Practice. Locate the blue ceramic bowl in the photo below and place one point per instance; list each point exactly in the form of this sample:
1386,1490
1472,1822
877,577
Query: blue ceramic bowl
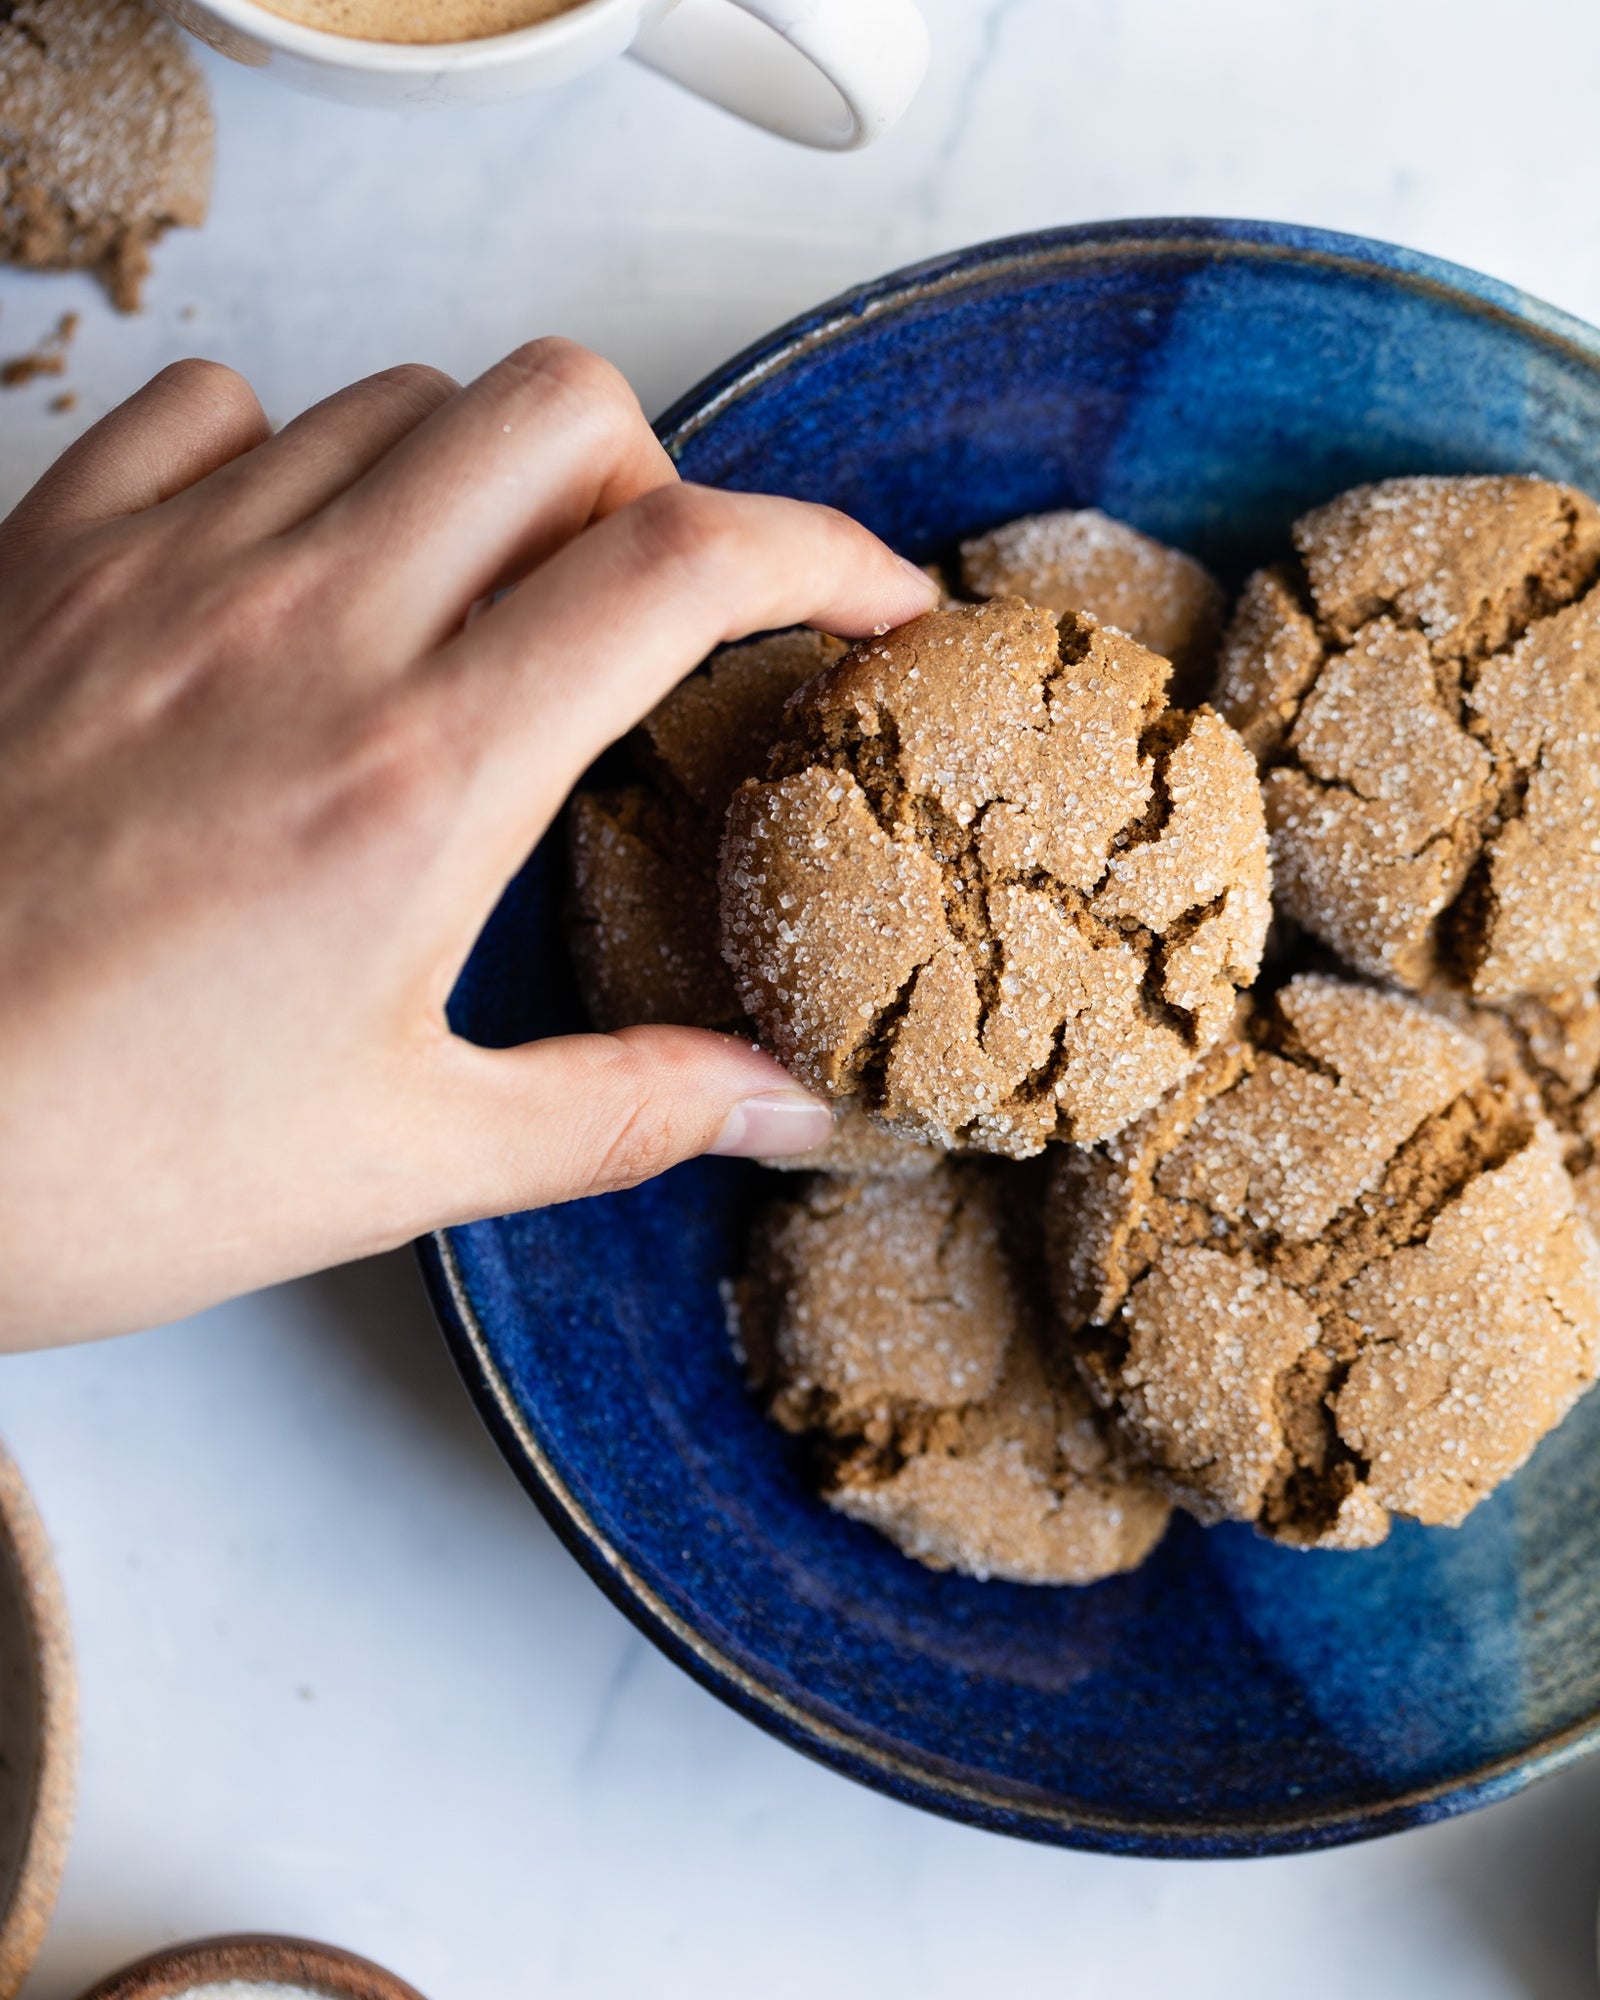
1206,381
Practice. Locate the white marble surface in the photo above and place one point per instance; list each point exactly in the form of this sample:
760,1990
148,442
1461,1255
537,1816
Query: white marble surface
338,1678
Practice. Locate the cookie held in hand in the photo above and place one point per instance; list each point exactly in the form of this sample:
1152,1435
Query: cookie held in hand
992,884
642,854
642,869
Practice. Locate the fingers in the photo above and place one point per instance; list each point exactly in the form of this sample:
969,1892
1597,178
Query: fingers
509,469
324,450
182,425
594,639
584,1114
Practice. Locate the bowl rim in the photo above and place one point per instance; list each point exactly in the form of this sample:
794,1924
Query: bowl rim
31,1896
264,1957
996,1807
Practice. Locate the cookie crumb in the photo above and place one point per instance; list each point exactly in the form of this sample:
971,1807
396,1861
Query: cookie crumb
48,358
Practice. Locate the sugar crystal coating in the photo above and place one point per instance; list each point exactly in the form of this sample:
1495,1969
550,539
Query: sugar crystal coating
886,1321
1083,560
992,883
1547,1050
1339,1273
1424,690
642,867
642,854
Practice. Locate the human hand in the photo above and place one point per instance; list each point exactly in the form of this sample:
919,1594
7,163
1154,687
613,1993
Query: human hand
260,786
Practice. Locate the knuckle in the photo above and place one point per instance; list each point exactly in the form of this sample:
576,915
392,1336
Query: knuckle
418,388
261,601
382,780
646,1141
637,1152
692,529
576,374
211,386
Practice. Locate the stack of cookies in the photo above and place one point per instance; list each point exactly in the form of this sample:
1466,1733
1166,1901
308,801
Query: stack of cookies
1154,1183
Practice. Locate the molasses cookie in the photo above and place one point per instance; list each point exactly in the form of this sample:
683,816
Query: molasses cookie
885,1321
992,884
1424,687
1082,560
642,859
105,138
1339,1273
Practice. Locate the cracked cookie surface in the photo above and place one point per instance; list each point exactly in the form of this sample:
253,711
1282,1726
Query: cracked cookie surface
992,883
642,853
1423,688
1548,1048
642,869
1079,559
1339,1273
886,1321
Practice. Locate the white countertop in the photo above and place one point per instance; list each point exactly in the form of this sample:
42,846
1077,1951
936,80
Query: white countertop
338,1678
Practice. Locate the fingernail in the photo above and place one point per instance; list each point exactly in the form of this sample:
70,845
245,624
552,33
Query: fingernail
930,589
775,1124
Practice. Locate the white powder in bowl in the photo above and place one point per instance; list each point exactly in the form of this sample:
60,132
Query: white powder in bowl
249,1989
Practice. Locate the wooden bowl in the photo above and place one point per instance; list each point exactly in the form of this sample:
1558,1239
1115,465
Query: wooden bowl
38,1731
318,1969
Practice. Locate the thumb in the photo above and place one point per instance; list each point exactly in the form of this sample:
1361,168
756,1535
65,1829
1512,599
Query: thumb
584,1114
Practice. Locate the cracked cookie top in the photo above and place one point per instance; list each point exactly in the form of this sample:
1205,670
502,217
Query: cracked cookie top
1548,1049
642,869
886,1321
992,883
1079,559
642,852
1339,1273
1423,687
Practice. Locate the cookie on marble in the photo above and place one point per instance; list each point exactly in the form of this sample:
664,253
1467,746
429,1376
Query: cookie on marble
884,1320
993,885
1339,1274
1082,560
105,138
1423,686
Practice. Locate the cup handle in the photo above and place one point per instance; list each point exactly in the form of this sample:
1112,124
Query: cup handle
829,73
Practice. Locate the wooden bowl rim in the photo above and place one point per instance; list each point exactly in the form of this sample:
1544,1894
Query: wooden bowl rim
260,1956
30,1898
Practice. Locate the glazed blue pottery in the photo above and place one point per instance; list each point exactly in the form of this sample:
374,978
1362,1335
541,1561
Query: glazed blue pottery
1206,381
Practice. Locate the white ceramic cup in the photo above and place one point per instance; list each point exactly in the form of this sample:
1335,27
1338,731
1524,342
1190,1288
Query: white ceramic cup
832,73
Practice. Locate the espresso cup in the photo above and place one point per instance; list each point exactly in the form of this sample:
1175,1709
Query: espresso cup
830,73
